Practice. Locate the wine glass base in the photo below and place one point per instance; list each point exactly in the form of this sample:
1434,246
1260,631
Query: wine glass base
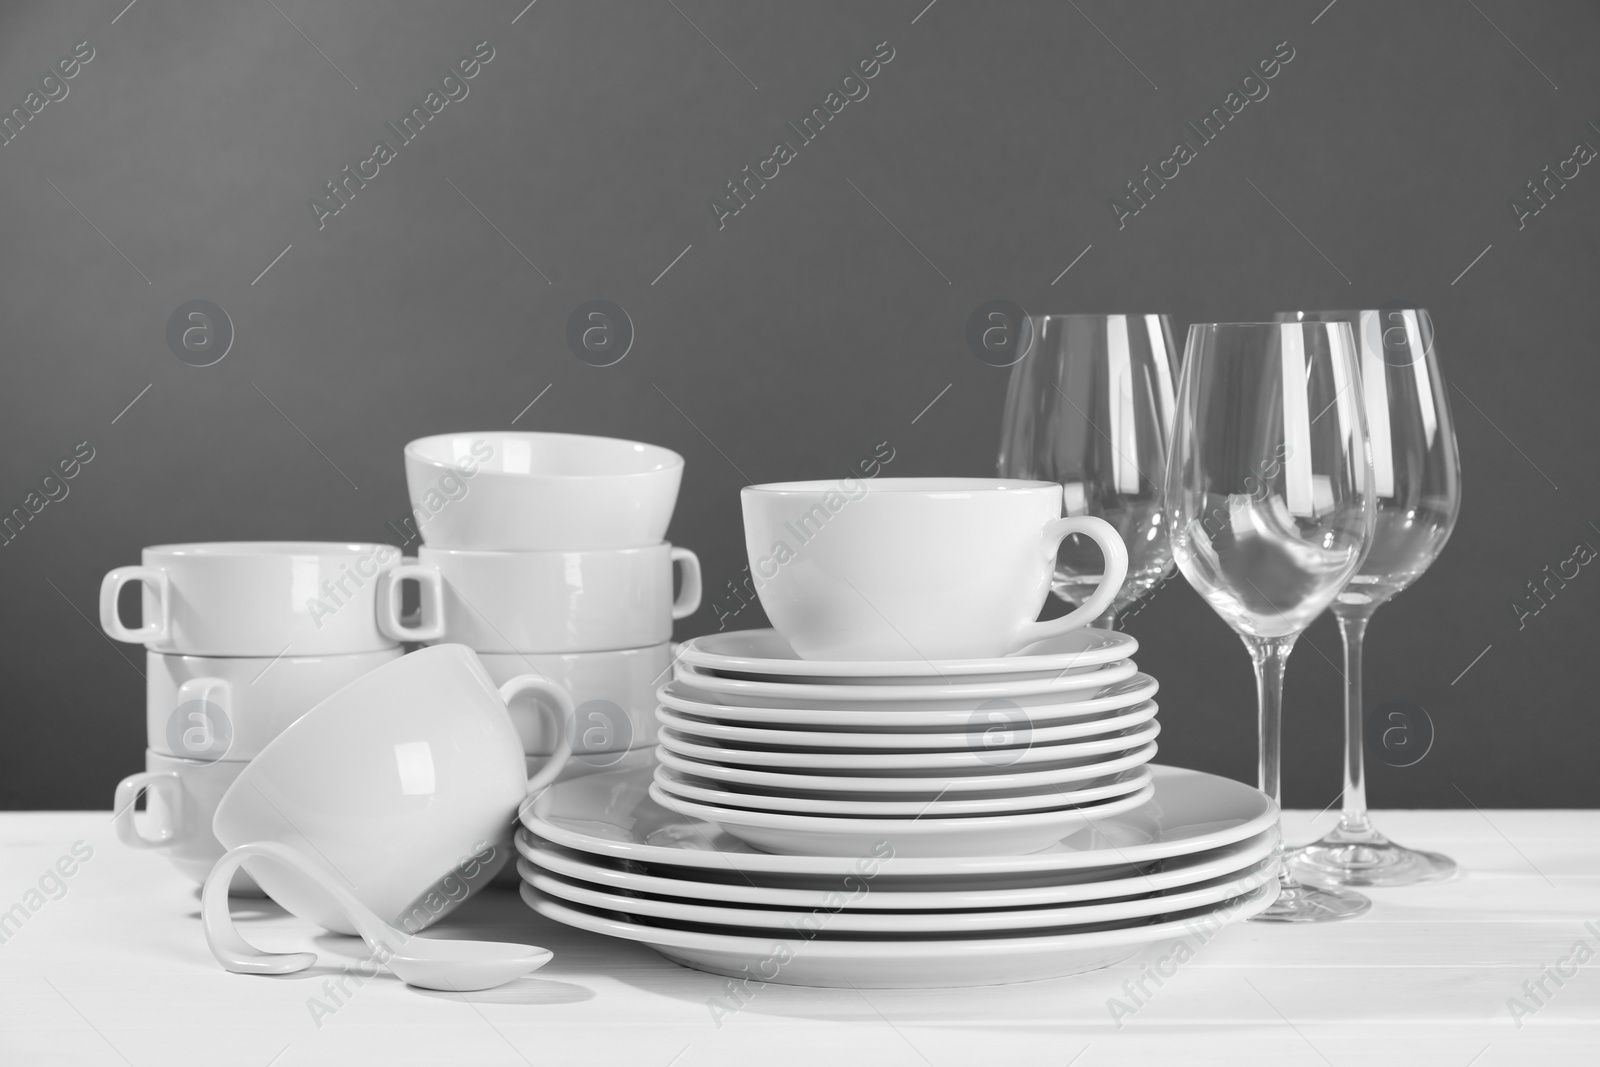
1298,903
1368,860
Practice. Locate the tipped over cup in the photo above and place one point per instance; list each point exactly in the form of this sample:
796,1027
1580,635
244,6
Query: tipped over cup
405,783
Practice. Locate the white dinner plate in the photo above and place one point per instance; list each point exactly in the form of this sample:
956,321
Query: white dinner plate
931,696
678,696
907,964
981,732
859,893
912,786
973,759
966,835
839,921
763,655
611,814
678,784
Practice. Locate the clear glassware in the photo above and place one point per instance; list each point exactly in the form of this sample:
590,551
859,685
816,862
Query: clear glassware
1270,504
1090,406
1417,485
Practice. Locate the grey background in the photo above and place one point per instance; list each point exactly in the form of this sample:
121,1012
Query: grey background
792,341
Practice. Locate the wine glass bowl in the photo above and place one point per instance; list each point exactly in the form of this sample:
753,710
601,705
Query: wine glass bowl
1269,502
1090,407
1417,491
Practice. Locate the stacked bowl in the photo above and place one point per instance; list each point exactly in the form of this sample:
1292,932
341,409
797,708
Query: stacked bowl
241,639
545,553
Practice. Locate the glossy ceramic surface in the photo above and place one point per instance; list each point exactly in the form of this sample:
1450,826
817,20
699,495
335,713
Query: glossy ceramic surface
218,707
785,958
909,836
532,492
613,697
991,731
860,893
181,798
915,568
255,598
588,601
764,655
612,815
869,718
911,784
419,751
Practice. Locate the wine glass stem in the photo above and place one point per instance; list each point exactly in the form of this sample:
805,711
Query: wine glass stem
1270,656
1353,630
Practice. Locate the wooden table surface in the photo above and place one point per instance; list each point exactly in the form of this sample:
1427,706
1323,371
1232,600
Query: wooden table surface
112,968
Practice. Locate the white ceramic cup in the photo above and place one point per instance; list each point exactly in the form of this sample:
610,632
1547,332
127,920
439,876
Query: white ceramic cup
395,782
613,698
544,601
532,492
181,796
207,708
254,598
916,568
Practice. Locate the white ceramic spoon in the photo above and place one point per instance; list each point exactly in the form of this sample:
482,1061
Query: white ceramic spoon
431,963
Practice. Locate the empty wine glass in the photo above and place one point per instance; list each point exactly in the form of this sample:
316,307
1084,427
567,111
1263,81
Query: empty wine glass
1090,406
1269,497
1417,486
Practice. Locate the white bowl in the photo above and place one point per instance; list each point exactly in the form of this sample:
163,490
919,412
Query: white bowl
504,491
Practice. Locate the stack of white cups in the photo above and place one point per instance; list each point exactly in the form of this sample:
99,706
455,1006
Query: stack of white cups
545,554
242,638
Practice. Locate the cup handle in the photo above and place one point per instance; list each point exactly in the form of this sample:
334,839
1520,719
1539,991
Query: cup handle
210,691
152,630
127,795
238,955
1101,533
431,624
688,601
562,750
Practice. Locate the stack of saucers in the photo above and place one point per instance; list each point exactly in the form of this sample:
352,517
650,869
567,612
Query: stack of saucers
946,758
600,854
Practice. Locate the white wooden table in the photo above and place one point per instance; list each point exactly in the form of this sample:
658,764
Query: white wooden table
114,970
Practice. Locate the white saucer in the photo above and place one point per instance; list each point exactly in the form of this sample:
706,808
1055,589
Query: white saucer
910,786
908,964
764,655
1134,689
932,696
862,894
839,921
974,759
969,835
675,783
611,814
979,732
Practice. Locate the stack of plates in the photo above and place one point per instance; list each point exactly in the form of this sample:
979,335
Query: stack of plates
600,854
948,758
